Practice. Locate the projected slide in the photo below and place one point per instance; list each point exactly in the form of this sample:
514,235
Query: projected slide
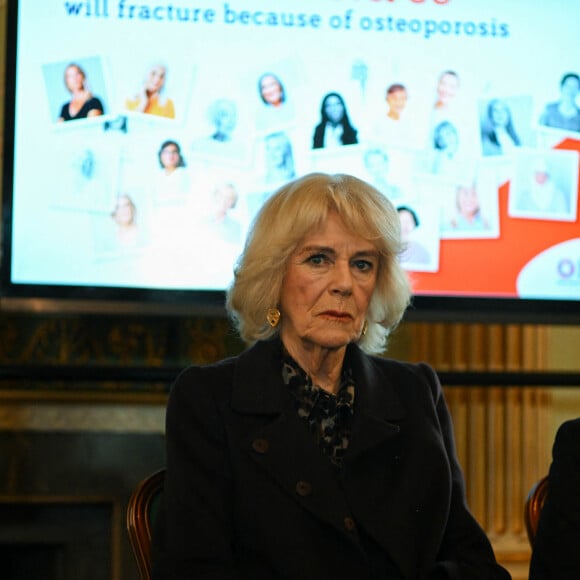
149,133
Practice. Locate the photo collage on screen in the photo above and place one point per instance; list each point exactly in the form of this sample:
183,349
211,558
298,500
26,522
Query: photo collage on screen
168,154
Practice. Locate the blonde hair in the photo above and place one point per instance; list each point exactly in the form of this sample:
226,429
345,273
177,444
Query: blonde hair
81,71
290,214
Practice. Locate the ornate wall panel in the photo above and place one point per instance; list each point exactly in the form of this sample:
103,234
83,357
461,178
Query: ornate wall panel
501,432
36,346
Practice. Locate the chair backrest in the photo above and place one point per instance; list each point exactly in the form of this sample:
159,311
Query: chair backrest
141,512
533,507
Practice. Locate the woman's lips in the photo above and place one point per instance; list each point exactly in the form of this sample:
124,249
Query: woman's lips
336,314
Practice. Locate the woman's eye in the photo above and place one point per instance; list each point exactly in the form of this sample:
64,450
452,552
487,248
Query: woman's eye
363,265
317,259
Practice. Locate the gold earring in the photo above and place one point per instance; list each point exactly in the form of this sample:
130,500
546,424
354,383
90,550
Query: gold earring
365,327
273,317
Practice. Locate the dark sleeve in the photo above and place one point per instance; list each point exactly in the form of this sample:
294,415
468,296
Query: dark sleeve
64,112
95,103
556,553
318,139
465,552
350,135
192,535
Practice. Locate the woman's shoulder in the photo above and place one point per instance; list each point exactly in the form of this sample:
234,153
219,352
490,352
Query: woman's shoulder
223,370
199,395
64,110
214,383
203,380
204,372
568,434
95,102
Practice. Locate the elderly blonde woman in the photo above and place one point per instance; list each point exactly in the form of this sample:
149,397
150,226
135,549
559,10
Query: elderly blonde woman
307,456
151,98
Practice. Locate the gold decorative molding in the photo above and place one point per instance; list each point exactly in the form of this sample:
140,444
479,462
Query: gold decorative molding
49,342
90,416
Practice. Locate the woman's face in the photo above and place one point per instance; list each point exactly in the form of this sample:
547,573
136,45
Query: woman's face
170,156
225,118
124,214
499,114
329,282
226,197
447,87
540,176
397,101
447,138
74,79
407,224
155,79
271,90
467,200
539,171
334,109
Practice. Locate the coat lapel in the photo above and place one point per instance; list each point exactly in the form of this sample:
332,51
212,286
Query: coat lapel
378,410
372,464
279,441
370,487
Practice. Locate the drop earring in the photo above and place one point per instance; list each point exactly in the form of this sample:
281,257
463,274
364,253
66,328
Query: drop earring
365,327
273,317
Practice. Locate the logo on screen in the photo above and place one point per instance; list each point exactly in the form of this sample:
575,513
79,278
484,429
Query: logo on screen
568,268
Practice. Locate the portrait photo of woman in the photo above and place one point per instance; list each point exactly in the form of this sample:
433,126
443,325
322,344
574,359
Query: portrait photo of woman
446,90
565,112
275,105
468,215
271,90
172,183
221,133
85,163
334,128
498,134
83,104
279,158
445,149
414,251
124,215
223,224
545,185
123,233
223,116
150,98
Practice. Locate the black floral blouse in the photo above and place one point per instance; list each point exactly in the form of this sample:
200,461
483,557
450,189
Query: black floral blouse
329,416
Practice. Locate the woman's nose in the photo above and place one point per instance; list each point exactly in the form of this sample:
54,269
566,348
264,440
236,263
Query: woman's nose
342,279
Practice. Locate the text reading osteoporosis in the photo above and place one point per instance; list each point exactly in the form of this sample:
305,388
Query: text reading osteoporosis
349,19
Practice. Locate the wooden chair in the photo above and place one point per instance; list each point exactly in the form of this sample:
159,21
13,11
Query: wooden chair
141,512
533,507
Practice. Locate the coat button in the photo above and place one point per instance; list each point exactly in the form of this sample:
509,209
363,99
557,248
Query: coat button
349,524
260,445
303,488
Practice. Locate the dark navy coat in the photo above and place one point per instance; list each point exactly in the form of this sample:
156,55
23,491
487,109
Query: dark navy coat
248,493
